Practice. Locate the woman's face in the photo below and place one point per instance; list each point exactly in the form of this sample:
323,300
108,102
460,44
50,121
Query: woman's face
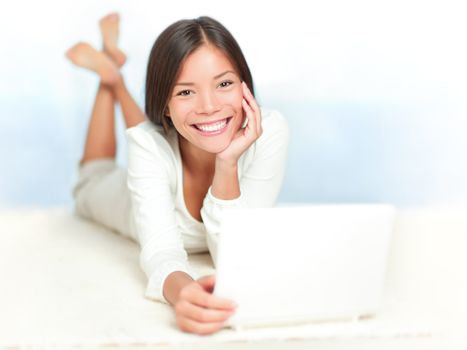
206,103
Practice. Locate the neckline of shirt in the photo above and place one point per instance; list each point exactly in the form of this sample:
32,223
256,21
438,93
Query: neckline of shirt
179,167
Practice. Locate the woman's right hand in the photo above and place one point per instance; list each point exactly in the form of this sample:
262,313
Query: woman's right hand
199,311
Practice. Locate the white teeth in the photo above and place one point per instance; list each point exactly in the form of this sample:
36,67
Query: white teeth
212,127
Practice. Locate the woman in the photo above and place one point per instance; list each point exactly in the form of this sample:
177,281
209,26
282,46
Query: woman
202,144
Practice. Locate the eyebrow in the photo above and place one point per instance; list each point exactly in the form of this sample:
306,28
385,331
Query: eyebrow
216,77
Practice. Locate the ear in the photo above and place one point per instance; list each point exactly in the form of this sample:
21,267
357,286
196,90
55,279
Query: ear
167,112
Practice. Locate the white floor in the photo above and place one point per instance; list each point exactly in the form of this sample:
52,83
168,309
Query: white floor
69,283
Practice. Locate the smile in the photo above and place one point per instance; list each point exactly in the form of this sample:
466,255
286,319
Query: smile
210,129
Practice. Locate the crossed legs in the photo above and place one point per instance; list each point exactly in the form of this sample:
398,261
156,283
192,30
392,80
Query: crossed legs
100,138
100,192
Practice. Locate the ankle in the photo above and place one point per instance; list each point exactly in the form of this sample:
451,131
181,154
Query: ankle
118,87
113,85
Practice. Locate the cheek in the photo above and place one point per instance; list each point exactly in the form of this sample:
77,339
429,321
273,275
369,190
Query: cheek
179,107
234,99
178,111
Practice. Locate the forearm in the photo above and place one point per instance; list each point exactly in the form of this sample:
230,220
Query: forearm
173,284
225,184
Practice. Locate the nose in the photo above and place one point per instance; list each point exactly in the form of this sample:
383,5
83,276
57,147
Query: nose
208,103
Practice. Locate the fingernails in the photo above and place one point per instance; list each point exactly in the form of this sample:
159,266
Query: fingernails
245,123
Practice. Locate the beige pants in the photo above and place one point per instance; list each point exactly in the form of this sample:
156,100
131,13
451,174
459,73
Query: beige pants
101,195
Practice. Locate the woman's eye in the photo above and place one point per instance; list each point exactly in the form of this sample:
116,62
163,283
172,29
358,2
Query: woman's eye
226,82
182,93
187,92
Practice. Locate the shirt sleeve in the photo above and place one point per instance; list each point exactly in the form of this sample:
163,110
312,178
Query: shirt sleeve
260,181
153,210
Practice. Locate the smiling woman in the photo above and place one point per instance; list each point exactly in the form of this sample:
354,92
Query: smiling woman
205,145
210,107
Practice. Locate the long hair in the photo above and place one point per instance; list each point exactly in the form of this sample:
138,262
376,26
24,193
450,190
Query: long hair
169,52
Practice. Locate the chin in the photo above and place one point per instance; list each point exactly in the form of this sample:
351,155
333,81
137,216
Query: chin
215,148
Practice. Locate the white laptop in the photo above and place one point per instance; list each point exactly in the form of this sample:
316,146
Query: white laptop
303,263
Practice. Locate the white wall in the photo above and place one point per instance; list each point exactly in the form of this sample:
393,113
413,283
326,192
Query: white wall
375,92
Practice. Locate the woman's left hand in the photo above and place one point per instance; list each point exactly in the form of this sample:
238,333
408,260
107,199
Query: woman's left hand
244,137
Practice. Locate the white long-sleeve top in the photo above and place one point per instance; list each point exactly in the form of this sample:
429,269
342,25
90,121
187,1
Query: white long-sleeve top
165,229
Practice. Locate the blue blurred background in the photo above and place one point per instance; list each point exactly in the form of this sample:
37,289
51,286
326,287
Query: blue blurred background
375,92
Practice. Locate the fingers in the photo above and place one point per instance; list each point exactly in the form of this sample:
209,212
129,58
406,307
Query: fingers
207,282
249,115
252,107
203,315
199,293
204,299
198,311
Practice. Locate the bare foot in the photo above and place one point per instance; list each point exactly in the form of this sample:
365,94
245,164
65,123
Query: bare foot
84,55
110,30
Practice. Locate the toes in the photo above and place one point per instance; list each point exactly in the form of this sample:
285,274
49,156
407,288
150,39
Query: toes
114,16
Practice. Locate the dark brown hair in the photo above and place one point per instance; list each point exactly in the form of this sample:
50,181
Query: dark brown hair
169,52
